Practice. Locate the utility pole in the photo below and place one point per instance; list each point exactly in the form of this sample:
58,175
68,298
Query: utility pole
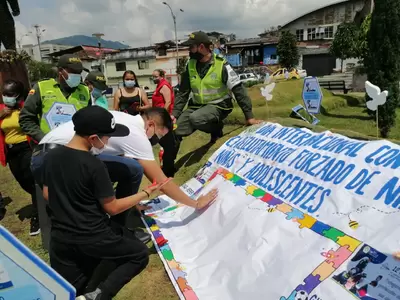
99,36
39,32
176,36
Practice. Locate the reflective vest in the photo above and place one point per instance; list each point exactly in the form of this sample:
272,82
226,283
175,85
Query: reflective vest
56,109
210,89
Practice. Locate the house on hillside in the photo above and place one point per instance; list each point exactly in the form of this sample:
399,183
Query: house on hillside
89,55
142,61
252,51
315,32
166,59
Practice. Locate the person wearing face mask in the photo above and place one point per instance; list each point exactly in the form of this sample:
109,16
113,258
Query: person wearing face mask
213,83
164,97
97,85
97,256
127,158
130,98
14,146
51,102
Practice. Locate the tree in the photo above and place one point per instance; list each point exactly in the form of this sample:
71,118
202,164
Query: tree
362,45
39,70
383,62
182,65
287,50
345,42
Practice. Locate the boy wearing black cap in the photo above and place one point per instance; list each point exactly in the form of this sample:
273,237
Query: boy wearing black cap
49,97
97,85
97,257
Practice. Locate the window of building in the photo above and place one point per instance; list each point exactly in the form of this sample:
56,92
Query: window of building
328,34
120,66
162,52
311,34
300,35
143,64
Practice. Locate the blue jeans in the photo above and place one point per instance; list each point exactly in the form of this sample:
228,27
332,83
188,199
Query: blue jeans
127,172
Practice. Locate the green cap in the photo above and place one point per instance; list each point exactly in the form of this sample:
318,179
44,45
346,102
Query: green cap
98,80
197,38
72,62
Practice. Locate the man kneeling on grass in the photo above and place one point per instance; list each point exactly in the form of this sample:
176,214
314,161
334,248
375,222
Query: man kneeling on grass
96,256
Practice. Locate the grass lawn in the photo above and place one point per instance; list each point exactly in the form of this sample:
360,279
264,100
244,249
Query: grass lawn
342,113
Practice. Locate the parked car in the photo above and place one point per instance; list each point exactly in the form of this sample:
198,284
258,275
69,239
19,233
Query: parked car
293,74
245,77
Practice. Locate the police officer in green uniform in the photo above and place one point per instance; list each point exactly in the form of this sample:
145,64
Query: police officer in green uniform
53,102
212,81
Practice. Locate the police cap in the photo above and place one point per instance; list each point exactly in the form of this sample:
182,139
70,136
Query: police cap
71,62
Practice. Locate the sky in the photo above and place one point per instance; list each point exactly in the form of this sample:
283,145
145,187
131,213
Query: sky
144,22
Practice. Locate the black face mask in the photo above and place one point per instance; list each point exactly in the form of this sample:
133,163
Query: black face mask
154,140
196,55
156,81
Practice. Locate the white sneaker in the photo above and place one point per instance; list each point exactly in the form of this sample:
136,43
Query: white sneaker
80,298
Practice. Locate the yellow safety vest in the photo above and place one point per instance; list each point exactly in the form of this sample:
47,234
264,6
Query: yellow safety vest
210,89
56,109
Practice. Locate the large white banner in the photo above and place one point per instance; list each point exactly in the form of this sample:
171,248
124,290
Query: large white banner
300,216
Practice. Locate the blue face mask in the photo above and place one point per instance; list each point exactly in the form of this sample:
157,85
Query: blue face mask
96,93
10,101
73,80
130,83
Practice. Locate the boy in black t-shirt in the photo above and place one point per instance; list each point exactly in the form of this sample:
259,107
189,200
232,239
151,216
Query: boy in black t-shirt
97,257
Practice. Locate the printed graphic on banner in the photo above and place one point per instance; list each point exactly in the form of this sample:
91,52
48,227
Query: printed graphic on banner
371,275
300,215
24,276
59,114
312,95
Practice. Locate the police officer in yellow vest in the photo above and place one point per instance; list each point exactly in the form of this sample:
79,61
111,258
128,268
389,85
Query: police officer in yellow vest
53,102
212,82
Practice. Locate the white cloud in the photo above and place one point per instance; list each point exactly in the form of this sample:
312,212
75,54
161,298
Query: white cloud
141,22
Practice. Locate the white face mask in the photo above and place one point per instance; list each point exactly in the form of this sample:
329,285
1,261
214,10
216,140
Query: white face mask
97,151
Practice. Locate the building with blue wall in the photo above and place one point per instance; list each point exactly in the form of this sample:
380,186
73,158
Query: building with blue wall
252,51
270,56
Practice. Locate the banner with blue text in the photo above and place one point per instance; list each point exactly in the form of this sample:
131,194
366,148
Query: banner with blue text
300,216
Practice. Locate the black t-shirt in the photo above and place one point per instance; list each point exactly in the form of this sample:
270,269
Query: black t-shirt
77,181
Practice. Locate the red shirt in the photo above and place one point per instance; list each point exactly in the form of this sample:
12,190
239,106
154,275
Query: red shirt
158,99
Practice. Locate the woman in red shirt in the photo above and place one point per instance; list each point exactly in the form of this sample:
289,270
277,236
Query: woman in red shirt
164,94
164,97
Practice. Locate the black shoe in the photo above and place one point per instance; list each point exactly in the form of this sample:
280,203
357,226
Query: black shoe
215,136
35,227
142,236
2,213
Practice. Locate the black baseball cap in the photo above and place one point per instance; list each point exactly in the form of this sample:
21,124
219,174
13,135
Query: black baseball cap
98,80
97,120
71,62
197,38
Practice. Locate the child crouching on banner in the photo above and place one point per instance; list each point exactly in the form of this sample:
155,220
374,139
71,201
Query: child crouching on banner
96,256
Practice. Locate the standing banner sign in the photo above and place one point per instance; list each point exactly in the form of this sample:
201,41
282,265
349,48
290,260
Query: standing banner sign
312,95
24,276
299,216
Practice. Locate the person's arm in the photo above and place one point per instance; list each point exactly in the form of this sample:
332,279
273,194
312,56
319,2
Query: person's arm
145,100
4,112
182,96
232,81
117,95
30,114
153,172
166,93
46,193
14,7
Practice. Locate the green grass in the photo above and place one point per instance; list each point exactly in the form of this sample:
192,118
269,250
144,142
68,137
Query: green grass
342,114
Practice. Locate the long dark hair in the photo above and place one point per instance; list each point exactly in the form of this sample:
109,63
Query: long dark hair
14,87
131,73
